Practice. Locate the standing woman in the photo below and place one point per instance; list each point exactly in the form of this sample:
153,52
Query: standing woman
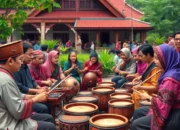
92,65
164,113
53,70
73,66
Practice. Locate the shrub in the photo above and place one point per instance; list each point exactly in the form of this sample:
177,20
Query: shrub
49,43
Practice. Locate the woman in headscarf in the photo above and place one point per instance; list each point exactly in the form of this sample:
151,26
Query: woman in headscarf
53,70
73,66
164,113
92,65
128,66
141,66
146,54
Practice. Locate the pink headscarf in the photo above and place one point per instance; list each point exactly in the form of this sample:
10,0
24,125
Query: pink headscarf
48,64
37,53
134,51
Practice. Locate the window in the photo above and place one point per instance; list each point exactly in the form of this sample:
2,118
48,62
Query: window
69,4
85,4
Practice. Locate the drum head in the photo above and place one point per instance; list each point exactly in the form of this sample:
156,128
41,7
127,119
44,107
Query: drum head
103,89
84,98
120,102
73,119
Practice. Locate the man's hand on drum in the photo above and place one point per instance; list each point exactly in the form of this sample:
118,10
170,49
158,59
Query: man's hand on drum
144,96
42,97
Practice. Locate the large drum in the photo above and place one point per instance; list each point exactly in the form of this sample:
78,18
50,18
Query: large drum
73,84
68,122
108,122
121,96
106,84
123,107
121,90
90,79
143,103
81,109
129,86
103,94
85,93
89,99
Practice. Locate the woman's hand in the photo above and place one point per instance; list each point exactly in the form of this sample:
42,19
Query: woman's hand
136,80
145,96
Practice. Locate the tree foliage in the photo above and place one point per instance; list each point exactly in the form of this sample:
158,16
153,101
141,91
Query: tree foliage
14,12
162,14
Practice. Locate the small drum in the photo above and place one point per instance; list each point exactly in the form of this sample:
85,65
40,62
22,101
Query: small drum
123,107
143,103
90,79
103,94
68,122
108,122
89,99
81,109
121,90
85,93
120,96
106,84
129,86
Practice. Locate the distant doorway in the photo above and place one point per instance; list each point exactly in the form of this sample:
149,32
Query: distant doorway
64,37
104,36
84,38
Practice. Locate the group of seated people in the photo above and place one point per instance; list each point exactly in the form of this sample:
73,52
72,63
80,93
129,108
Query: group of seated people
25,80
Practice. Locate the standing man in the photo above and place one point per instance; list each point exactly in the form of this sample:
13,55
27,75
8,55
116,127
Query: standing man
79,44
26,83
15,107
177,41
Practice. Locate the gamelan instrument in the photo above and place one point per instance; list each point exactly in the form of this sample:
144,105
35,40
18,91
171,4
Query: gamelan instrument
103,94
80,109
89,99
90,79
120,96
143,103
68,122
106,84
121,90
129,86
124,107
85,93
108,122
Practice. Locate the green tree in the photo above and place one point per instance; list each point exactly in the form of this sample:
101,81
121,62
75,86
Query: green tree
14,12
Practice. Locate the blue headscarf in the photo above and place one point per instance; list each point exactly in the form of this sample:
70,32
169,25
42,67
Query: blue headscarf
170,60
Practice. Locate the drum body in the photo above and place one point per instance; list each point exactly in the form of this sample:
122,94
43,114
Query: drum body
85,93
120,96
89,99
73,84
68,122
106,84
90,79
123,107
103,94
108,122
143,103
81,109
129,86
121,90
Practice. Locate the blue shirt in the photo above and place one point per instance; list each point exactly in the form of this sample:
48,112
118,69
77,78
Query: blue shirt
24,79
37,47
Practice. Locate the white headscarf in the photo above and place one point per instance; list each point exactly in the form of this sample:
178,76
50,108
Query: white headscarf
127,53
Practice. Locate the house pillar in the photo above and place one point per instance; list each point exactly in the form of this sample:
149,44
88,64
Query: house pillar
9,39
142,36
116,36
97,38
43,31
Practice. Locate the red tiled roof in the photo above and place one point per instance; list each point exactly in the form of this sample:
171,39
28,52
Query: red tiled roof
74,14
126,23
121,5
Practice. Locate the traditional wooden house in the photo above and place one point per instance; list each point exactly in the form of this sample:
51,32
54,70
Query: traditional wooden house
104,21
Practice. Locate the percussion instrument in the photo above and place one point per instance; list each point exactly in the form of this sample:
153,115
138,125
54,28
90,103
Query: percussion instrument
123,107
128,86
103,94
143,103
73,84
121,96
121,90
81,109
108,122
106,84
90,79
85,93
54,99
89,99
68,122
